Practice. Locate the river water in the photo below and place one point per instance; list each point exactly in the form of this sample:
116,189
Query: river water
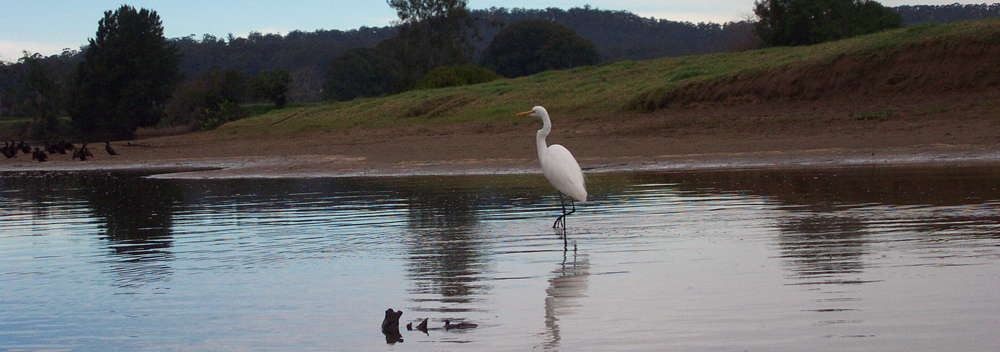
858,259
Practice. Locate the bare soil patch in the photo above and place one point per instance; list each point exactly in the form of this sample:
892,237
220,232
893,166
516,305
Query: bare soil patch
924,68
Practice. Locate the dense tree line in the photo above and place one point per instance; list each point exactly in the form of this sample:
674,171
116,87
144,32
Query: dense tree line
913,14
15,86
621,35
305,55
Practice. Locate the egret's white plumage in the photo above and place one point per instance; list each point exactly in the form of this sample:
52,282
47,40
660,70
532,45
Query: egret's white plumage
558,164
562,171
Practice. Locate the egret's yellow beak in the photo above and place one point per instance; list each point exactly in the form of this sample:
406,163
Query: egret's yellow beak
526,113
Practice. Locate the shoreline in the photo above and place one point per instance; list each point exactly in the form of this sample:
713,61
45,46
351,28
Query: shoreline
336,166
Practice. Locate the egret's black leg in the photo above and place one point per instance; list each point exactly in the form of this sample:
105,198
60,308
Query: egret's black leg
562,217
561,220
566,214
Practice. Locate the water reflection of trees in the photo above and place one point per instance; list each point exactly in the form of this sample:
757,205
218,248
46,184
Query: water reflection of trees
817,245
33,192
850,187
136,216
447,257
825,231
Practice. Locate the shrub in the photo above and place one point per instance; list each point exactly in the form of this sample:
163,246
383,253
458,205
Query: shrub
449,76
225,112
198,100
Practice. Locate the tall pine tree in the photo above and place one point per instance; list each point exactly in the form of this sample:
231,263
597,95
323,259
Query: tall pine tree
128,73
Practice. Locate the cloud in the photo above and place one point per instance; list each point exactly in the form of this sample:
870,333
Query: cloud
10,51
694,17
718,11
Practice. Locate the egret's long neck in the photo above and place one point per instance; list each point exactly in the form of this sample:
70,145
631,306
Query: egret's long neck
541,134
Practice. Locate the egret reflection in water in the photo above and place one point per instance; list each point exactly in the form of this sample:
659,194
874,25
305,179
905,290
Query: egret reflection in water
566,287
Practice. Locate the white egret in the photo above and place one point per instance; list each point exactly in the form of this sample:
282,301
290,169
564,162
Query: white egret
559,166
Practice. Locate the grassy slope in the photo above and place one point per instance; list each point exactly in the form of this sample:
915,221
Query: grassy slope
13,126
9,121
589,92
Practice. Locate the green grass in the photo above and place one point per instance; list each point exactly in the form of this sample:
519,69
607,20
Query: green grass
254,109
11,127
13,119
935,109
603,91
872,115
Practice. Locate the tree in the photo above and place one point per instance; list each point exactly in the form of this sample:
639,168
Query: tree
128,73
362,72
533,46
413,11
872,17
273,86
41,98
432,33
803,22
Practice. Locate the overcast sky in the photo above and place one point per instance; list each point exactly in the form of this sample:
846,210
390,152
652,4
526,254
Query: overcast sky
48,26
